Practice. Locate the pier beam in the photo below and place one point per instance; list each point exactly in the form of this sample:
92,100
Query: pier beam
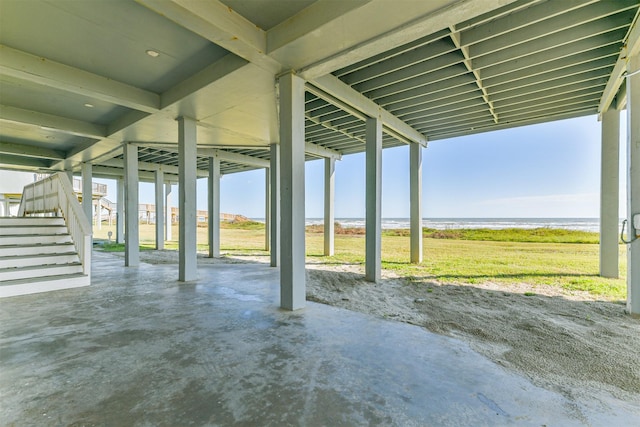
274,204
415,188
329,198
159,193
87,192
292,161
609,193
633,185
168,221
131,225
214,207
373,225
120,210
267,209
187,166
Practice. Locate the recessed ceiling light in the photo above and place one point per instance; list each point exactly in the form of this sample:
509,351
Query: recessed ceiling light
153,53
89,105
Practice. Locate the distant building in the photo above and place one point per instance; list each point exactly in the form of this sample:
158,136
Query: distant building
11,185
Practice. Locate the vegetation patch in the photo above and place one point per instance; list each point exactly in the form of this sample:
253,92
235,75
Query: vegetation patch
542,257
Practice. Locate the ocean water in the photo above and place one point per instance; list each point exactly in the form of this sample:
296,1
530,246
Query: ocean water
582,224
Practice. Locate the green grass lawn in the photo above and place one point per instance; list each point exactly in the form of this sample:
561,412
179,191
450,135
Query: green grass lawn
544,257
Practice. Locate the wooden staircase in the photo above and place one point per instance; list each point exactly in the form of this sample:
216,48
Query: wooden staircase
37,254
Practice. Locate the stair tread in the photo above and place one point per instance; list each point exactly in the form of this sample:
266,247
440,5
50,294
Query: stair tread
40,267
41,279
34,234
9,257
36,245
31,225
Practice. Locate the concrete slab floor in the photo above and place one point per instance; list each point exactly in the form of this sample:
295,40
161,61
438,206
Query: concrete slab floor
139,348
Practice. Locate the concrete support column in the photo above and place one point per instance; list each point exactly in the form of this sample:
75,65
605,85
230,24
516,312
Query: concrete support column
274,204
609,193
633,184
373,203
187,166
292,224
267,209
120,211
214,207
70,176
87,192
98,213
329,197
159,188
169,223
415,188
131,225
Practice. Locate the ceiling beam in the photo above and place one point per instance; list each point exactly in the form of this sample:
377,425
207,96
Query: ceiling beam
319,151
219,69
9,161
108,172
445,134
117,129
600,14
434,67
443,75
44,71
523,18
598,56
328,125
150,167
455,36
547,42
631,48
356,101
428,23
383,65
227,156
219,24
29,151
49,121
603,45
391,53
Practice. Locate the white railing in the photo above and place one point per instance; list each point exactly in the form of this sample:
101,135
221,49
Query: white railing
54,195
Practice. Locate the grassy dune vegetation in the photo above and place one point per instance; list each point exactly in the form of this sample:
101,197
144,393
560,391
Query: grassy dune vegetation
543,257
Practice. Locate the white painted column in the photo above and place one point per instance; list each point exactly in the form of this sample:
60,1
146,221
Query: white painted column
131,224
187,165
98,213
274,204
633,184
329,197
267,209
214,207
87,192
415,188
169,223
159,193
292,224
120,211
609,193
373,204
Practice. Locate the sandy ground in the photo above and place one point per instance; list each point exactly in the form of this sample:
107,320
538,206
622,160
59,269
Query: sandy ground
571,343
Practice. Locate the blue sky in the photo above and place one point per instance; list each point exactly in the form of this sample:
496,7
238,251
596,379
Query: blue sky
548,170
